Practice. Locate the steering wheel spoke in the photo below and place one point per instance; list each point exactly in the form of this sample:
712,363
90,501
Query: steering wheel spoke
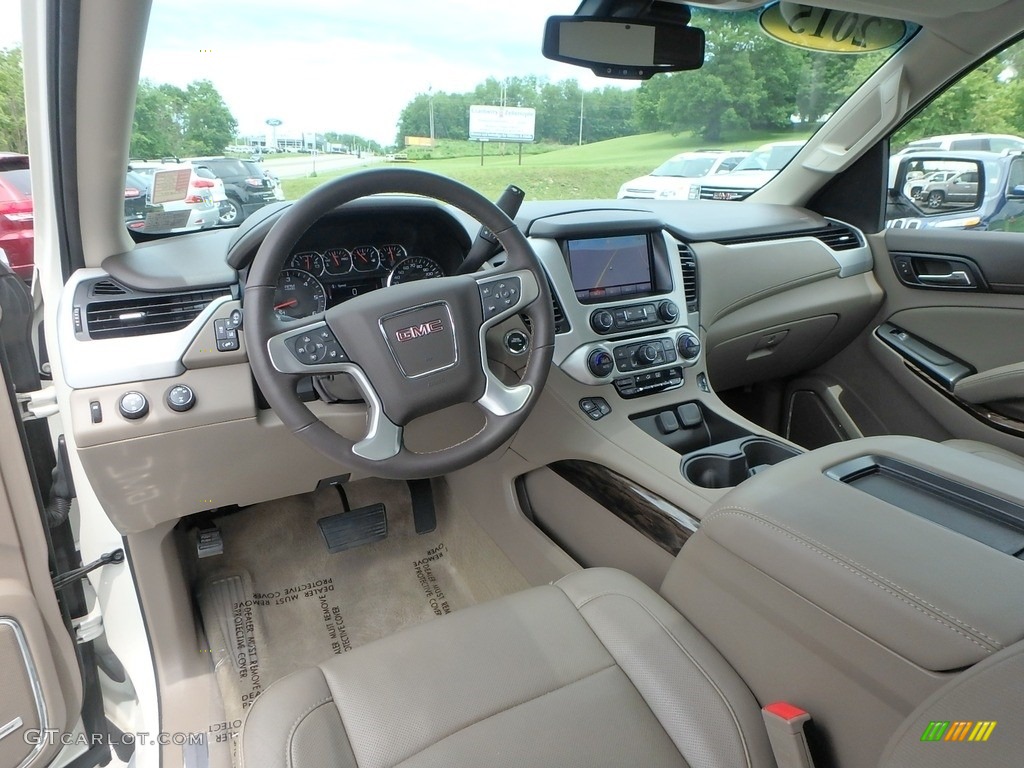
504,293
308,349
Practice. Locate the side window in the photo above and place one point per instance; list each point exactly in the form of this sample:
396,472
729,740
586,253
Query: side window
17,241
951,164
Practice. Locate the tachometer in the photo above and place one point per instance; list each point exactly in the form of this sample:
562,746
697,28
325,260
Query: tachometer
414,268
309,261
299,294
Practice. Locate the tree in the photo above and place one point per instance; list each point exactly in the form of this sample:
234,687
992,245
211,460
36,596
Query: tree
13,131
171,122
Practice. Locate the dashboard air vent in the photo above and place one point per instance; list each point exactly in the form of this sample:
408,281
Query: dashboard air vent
146,315
107,288
836,236
688,263
561,321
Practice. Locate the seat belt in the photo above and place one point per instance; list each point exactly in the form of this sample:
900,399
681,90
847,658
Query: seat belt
785,725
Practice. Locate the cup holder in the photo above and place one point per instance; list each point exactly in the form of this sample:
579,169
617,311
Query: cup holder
728,464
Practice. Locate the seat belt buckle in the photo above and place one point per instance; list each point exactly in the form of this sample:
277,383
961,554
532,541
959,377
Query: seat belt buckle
785,726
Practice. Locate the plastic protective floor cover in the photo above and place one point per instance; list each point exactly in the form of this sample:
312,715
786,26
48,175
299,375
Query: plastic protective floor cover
276,600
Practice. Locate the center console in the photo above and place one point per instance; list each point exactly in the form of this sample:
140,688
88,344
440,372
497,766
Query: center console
855,579
621,287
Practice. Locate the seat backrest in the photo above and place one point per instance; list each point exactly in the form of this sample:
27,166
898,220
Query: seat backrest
976,719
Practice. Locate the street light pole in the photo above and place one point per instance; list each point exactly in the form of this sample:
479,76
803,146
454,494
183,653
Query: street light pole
430,101
582,92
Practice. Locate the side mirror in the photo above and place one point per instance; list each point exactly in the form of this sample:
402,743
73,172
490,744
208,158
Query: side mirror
936,185
623,48
1016,192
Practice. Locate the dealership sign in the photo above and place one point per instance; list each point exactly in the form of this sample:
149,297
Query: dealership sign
502,123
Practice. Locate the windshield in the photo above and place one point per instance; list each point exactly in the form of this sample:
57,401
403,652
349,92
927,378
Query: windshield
693,167
768,159
290,98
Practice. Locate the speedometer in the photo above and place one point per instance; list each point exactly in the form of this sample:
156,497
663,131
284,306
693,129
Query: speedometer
299,294
414,268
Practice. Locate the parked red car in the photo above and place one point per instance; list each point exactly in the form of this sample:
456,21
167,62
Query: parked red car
16,221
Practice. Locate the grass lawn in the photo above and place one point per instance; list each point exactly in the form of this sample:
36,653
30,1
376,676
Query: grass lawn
590,171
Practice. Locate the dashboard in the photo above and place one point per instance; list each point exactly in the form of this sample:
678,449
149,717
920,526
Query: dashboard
648,298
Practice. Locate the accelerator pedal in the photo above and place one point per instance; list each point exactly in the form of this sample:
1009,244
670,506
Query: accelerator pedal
347,530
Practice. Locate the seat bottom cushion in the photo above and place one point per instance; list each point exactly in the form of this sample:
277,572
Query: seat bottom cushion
596,669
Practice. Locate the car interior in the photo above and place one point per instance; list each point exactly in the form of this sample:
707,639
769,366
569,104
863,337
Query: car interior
600,482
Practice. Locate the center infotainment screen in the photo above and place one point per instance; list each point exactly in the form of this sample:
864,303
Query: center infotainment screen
609,268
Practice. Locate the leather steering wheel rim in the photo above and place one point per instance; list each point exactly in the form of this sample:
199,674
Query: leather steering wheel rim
384,338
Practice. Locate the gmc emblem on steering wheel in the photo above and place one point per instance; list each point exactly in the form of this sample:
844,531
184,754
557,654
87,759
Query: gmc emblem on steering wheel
418,331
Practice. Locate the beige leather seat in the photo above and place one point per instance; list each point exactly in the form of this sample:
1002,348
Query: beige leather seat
595,670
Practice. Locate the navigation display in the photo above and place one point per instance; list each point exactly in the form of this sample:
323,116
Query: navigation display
608,268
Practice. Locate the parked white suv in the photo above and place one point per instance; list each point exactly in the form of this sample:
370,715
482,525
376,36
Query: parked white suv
748,176
672,178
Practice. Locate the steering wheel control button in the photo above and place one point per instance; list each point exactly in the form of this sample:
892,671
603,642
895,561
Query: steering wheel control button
600,363
316,347
641,384
133,405
227,332
595,407
181,398
422,339
516,342
498,295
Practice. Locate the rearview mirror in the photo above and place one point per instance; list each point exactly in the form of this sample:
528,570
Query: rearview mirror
622,48
936,185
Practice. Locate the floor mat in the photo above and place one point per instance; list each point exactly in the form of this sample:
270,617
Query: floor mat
277,600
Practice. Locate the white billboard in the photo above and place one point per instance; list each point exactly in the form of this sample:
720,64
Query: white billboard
502,123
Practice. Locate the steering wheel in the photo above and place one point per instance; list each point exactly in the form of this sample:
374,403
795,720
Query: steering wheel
411,349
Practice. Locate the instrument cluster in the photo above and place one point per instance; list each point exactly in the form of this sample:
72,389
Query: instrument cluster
314,280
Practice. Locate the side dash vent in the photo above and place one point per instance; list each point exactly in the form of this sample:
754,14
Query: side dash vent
688,263
146,315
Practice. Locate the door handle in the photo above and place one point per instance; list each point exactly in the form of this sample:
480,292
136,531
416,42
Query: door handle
957,277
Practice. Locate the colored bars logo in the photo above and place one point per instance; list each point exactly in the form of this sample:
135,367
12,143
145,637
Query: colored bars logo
958,730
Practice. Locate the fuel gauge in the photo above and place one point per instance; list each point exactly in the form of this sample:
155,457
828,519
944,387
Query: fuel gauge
365,258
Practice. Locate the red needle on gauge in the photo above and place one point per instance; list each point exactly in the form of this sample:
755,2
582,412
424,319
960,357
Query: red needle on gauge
289,303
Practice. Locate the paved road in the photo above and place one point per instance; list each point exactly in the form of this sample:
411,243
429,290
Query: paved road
298,167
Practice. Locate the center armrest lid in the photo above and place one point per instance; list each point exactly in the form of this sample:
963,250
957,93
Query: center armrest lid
934,596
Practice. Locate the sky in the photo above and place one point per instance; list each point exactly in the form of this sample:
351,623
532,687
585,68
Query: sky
340,65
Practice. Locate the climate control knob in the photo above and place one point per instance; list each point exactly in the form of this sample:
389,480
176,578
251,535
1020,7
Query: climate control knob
646,354
688,346
600,363
602,321
668,312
